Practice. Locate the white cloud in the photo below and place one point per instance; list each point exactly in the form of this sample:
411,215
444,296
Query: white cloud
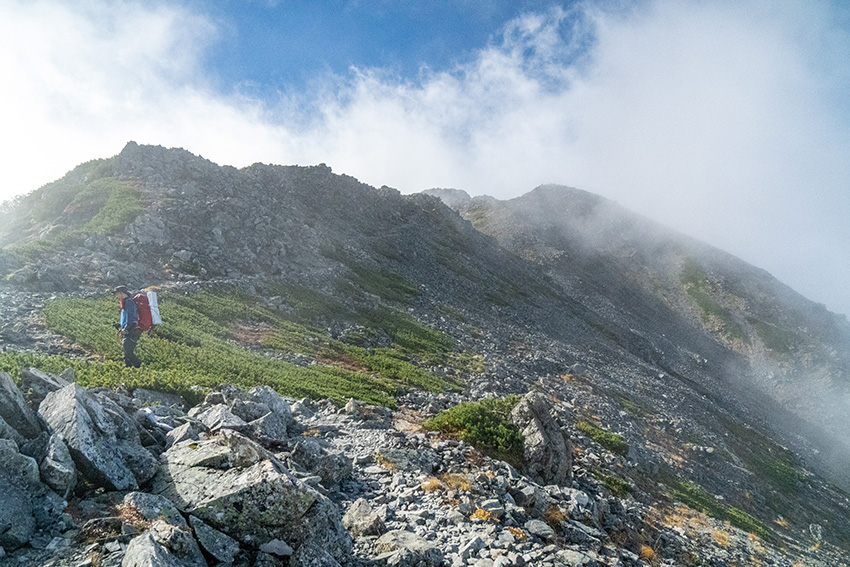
725,119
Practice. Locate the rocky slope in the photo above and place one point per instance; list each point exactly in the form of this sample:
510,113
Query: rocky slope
250,478
696,360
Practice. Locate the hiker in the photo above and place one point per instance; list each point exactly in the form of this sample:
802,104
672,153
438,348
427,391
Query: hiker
128,329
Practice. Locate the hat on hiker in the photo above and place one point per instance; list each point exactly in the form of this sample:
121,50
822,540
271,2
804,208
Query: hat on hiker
121,289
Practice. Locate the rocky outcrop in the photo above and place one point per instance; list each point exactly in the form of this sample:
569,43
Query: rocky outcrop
237,487
548,450
14,409
103,441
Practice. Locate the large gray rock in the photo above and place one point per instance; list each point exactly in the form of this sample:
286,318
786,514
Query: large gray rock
361,520
548,450
319,457
218,417
38,384
102,440
18,469
310,555
164,545
8,432
57,467
220,545
406,549
152,507
237,487
14,409
17,523
271,399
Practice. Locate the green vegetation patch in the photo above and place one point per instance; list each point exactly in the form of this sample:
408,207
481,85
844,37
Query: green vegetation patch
104,206
614,442
775,338
485,425
694,496
200,344
694,281
615,485
385,284
765,458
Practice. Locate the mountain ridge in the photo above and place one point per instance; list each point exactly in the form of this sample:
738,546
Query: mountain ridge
675,343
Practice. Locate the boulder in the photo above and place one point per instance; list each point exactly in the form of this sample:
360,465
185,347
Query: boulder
17,524
310,555
270,429
271,399
189,431
38,384
152,507
101,440
548,450
217,544
402,548
57,467
18,469
237,487
218,417
8,432
164,545
319,457
540,529
14,409
361,520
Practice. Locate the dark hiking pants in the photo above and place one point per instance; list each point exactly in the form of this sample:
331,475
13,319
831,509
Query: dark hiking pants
128,343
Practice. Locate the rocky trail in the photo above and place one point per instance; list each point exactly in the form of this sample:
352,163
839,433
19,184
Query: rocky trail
106,478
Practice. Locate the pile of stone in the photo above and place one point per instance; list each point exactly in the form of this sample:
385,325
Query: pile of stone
251,479
197,488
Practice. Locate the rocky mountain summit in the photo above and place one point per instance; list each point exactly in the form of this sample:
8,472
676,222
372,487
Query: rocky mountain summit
347,375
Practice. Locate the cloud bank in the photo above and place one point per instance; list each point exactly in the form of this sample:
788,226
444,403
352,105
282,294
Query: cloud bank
726,120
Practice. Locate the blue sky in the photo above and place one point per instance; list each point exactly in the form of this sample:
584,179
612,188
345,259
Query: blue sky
725,119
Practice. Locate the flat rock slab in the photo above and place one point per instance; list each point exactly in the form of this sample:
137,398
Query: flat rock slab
232,484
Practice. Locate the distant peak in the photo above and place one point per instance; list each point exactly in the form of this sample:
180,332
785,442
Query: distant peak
453,198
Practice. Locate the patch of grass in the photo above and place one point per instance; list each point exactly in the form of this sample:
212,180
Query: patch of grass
765,458
385,284
195,348
693,495
775,338
616,486
485,425
695,282
614,442
636,409
104,206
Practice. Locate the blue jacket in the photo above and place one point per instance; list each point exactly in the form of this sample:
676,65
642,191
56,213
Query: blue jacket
129,313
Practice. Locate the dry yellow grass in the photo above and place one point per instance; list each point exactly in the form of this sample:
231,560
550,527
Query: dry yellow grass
456,482
384,462
483,516
721,537
554,516
432,484
647,554
518,533
781,522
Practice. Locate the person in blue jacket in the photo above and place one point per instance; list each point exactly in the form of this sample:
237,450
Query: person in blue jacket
128,328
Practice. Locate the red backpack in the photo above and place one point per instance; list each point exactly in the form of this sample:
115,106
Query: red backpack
144,309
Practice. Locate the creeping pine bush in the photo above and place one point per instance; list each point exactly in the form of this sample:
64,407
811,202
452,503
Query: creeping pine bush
611,441
197,347
485,425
